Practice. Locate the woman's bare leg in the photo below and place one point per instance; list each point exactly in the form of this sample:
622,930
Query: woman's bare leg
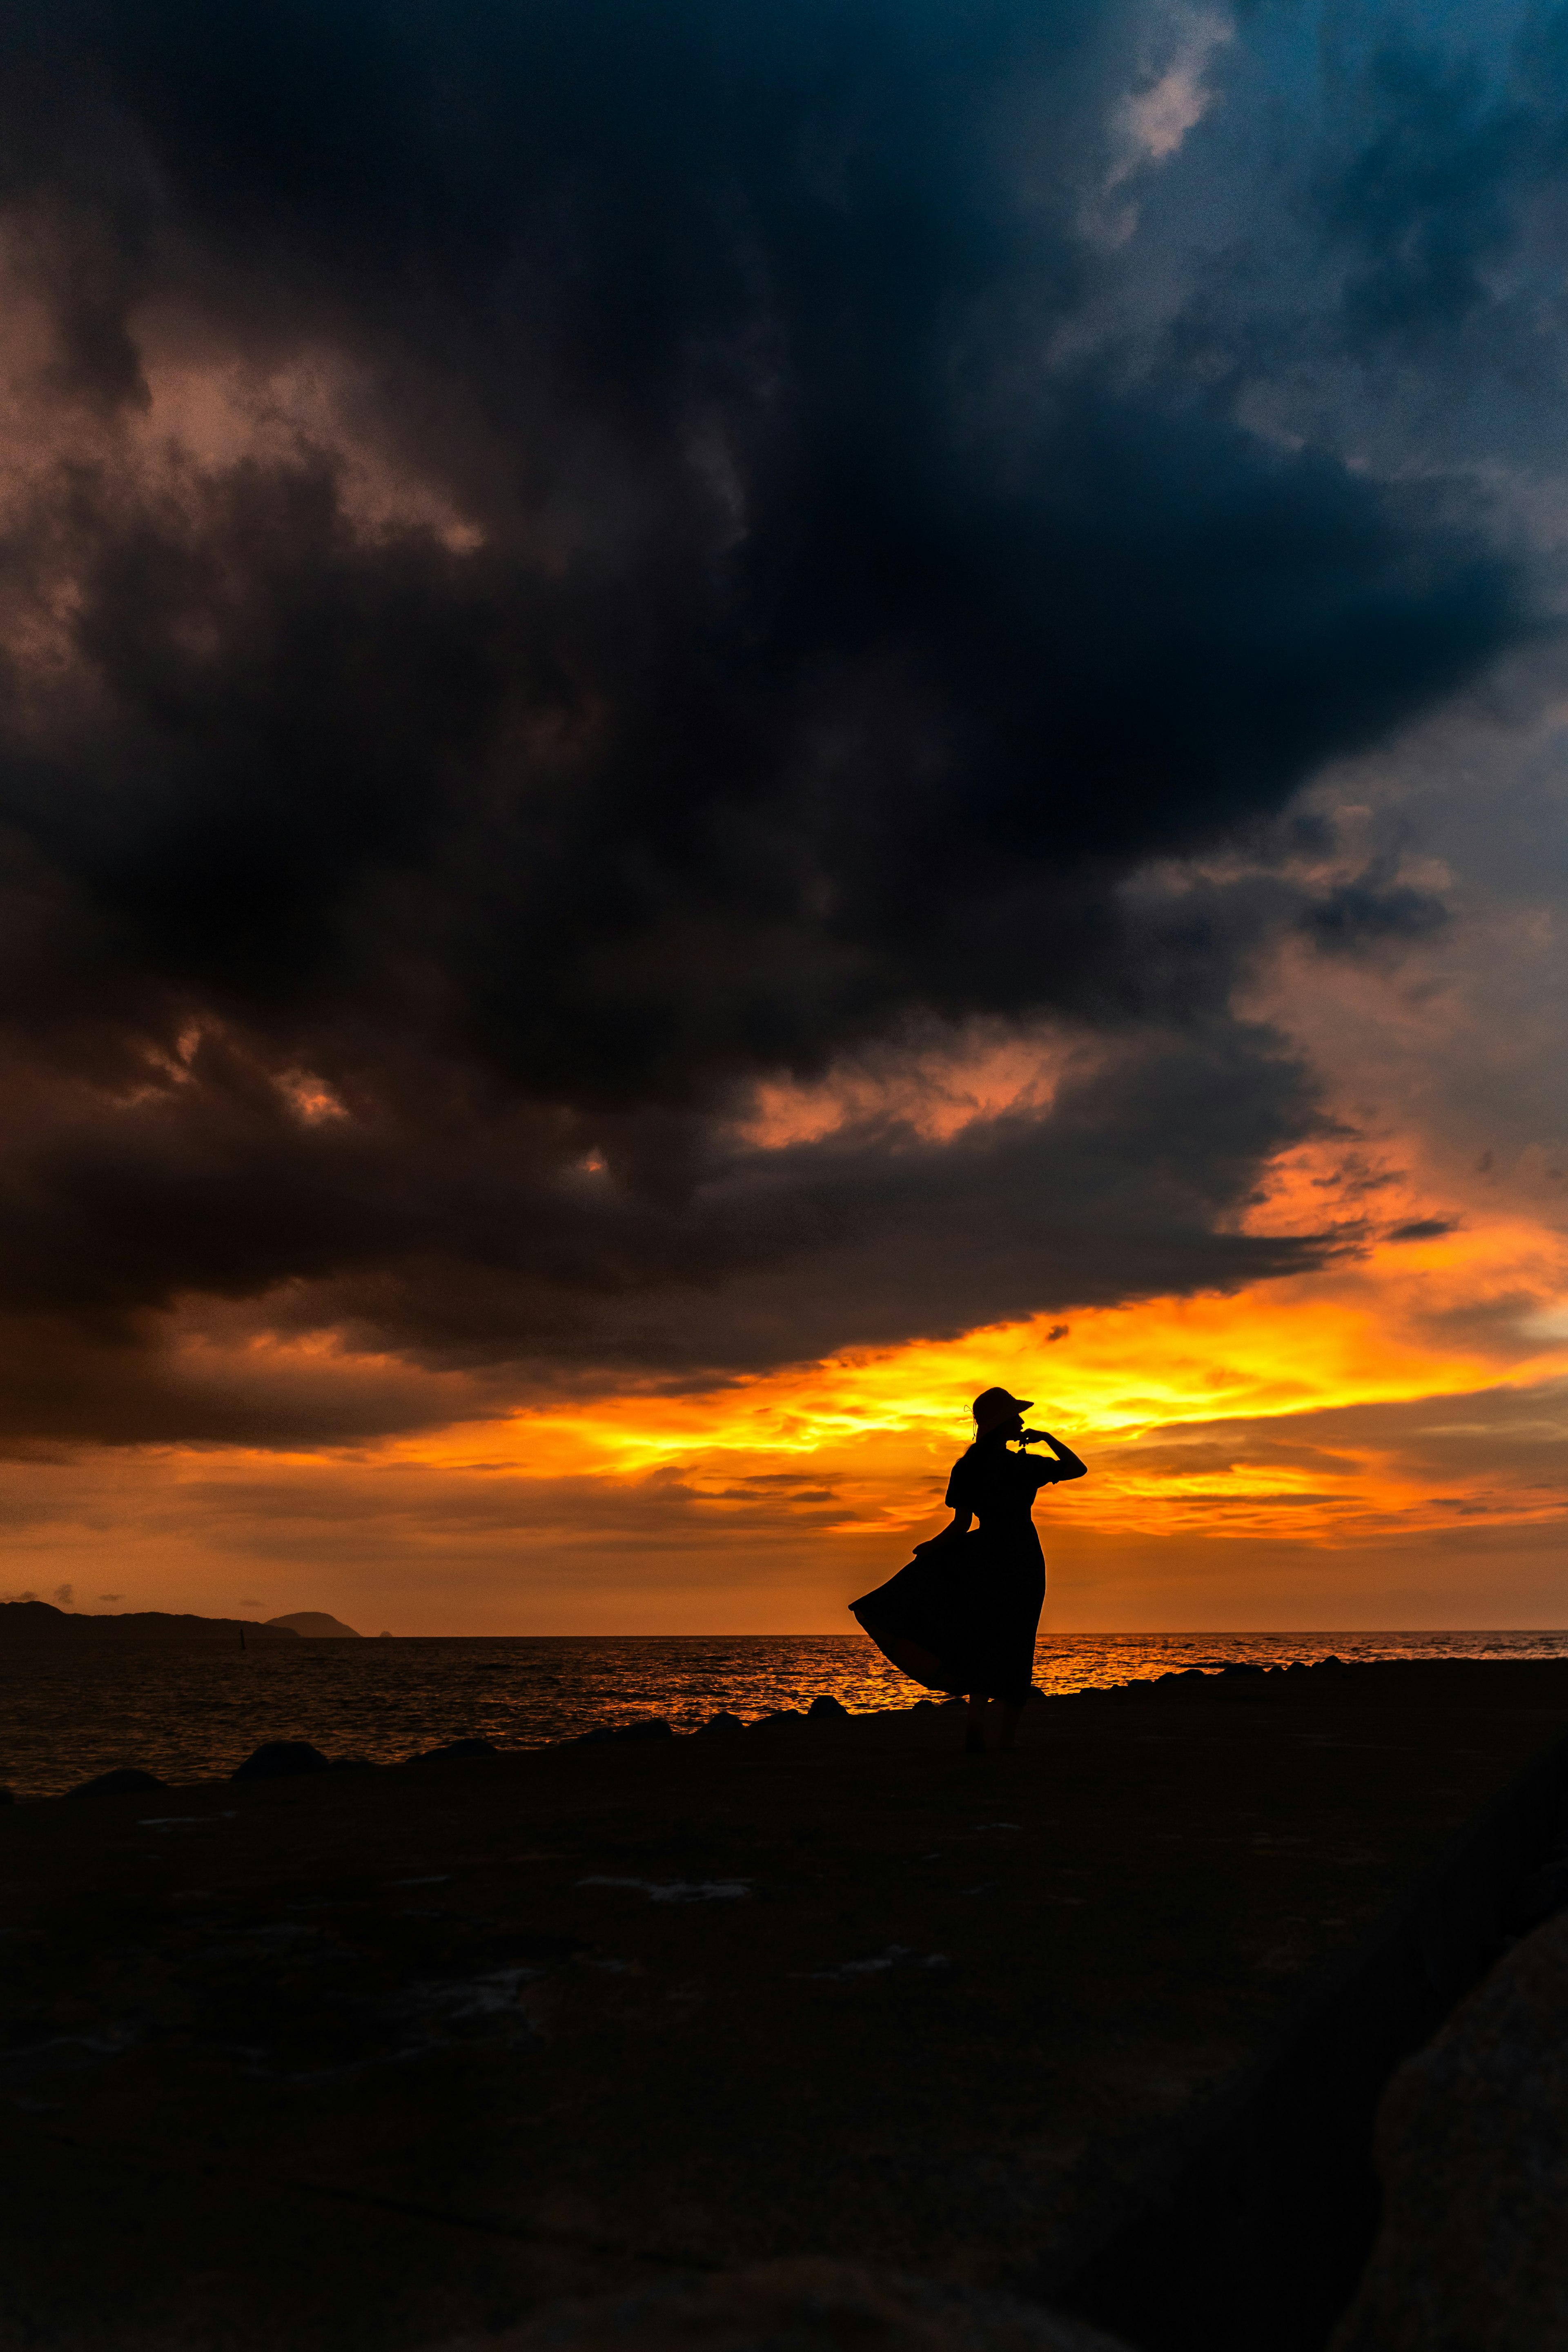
1009,1725
974,1724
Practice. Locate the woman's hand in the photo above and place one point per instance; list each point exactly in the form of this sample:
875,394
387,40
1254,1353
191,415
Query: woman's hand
1067,1463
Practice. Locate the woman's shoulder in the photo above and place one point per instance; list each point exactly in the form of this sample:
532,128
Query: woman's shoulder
961,1473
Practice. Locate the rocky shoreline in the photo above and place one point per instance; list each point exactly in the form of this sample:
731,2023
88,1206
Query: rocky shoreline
497,2041
1389,1682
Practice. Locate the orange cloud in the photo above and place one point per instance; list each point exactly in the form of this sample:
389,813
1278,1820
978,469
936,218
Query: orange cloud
1381,1444
1146,1391
987,1071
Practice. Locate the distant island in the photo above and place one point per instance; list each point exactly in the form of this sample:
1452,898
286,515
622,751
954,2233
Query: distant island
40,1620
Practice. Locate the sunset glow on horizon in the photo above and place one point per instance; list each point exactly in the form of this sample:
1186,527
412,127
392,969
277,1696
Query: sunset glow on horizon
1177,1370
1308,1411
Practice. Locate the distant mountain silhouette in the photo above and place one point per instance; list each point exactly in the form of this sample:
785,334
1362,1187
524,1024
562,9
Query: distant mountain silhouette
316,1625
40,1620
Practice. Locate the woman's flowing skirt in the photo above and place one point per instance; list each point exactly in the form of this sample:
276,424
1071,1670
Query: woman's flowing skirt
963,1615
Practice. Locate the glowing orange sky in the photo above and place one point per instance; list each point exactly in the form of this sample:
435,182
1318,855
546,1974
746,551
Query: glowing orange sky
1232,1441
883,1427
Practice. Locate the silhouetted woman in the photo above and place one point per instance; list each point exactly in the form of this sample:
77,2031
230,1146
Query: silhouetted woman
961,1616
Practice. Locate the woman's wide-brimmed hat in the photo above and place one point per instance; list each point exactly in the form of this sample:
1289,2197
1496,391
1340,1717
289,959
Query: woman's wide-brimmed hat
993,1405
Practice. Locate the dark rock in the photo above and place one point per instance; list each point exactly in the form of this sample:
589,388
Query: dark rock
351,1764
125,1782
825,1706
806,2304
653,1726
721,1722
456,1747
1474,2160
7,1797
315,1625
32,1621
1241,1666
282,1759
780,1715
1329,1666
1544,1893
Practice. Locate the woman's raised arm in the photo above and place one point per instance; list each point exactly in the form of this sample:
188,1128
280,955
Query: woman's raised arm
1067,1463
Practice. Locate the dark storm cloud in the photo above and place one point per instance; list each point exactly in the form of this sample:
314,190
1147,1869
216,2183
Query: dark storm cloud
1372,911
1122,1190
816,659
688,1252
1394,260
65,1381
1427,205
1444,201
1504,1444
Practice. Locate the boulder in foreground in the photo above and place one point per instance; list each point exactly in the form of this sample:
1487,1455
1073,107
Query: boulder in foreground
124,1782
1472,2143
282,1759
808,2305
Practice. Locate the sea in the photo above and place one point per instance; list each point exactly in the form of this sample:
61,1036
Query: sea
193,1711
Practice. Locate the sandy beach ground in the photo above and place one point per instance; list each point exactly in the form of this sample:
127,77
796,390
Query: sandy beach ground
369,2059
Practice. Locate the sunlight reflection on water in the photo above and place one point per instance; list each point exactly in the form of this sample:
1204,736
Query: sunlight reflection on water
193,1712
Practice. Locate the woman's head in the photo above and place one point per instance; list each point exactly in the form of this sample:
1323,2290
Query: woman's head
995,1409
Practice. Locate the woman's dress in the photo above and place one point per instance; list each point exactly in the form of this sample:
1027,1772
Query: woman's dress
961,1616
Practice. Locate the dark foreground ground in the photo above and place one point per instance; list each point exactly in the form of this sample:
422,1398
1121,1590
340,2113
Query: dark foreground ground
359,2062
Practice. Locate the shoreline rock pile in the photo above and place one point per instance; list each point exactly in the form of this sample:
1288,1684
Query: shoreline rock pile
1472,2148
